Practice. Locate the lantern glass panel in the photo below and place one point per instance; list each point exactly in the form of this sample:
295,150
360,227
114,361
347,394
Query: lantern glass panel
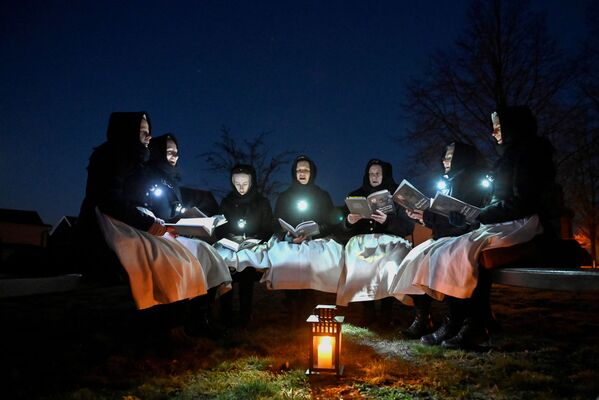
324,352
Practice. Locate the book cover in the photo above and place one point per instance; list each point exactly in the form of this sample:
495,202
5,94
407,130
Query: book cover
443,205
306,228
366,206
407,196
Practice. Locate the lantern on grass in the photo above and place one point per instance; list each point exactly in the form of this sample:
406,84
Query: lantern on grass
325,340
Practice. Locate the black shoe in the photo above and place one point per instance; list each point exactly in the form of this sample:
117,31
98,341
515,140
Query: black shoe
470,336
204,328
421,326
448,330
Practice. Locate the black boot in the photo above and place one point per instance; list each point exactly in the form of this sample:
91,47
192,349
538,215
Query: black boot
448,329
422,323
470,336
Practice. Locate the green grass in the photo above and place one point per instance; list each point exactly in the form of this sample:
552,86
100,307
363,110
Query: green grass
536,358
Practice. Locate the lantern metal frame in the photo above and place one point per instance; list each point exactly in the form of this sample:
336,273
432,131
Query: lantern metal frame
325,323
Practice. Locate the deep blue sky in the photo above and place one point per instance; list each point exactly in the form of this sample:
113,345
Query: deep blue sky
327,77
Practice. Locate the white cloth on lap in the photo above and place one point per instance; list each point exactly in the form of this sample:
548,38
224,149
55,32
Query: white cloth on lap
313,264
451,266
371,261
256,257
160,269
402,283
216,270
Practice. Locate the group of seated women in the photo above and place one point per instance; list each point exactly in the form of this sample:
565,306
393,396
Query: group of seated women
122,228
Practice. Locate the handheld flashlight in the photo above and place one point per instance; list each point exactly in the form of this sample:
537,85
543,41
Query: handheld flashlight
487,181
302,205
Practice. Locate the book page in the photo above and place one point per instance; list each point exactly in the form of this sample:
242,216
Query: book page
287,227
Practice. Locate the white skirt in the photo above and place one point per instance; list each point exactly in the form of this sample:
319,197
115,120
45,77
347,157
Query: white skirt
216,270
449,266
256,257
160,269
371,262
313,264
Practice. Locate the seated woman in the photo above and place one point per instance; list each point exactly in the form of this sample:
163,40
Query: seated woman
159,270
304,262
526,202
163,198
249,216
464,172
374,253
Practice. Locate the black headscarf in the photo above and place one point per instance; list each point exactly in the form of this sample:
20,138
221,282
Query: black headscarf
518,125
158,159
312,170
123,134
387,183
464,156
248,170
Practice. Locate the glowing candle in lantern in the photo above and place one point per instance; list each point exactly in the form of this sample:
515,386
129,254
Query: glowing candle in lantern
325,352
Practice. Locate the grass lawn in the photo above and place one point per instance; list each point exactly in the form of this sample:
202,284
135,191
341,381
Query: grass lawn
96,347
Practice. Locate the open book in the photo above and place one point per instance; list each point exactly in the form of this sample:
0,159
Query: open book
201,227
366,206
306,228
236,246
194,212
407,196
443,204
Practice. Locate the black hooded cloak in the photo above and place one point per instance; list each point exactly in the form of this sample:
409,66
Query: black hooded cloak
464,182
320,206
524,175
113,167
397,223
161,175
253,209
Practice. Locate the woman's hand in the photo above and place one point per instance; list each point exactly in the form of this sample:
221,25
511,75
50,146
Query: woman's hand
353,218
416,214
379,216
299,239
158,228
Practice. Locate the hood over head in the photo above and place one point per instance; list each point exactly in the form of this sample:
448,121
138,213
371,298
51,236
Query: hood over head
312,170
158,159
464,156
157,147
123,132
388,181
244,169
518,124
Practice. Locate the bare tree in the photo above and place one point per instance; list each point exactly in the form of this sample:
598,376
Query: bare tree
229,151
504,57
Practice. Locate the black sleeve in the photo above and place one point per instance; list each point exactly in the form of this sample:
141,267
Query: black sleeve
107,185
398,223
530,177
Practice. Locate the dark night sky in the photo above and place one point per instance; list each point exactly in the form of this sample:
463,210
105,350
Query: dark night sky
327,77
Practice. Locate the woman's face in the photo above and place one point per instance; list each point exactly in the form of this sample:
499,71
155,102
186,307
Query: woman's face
172,153
375,175
448,157
302,172
144,132
242,183
496,128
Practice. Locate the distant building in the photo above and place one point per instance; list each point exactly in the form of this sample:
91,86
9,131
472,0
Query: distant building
22,227
23,238
63,230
